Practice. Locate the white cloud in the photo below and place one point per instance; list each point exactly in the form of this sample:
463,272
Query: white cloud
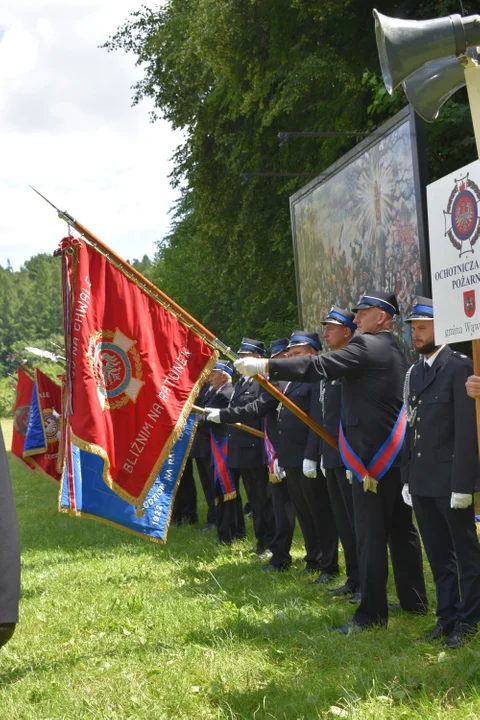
67,127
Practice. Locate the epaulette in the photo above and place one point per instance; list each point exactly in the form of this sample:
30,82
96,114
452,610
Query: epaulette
460,356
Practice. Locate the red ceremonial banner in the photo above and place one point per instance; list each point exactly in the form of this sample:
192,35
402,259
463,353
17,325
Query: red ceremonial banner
49,402
20,414
133,370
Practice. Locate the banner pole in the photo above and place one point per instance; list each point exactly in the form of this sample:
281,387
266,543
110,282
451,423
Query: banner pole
472,81
240,426
186,318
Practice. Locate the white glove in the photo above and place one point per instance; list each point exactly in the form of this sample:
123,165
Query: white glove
251,366
279,471
407,498
310,468
460,501
213,415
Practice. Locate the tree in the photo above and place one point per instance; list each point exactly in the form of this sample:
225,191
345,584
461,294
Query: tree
232,74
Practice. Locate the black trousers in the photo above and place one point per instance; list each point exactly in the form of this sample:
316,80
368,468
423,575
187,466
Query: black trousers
185,504
341,500
229,514
205,473
382,519
451,544
284,513
260,498
312,506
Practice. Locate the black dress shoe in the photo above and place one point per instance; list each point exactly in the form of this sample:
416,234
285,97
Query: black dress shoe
458,638
349,628
343,591
324,578
274,568
437,633
208,526
308,571
394,606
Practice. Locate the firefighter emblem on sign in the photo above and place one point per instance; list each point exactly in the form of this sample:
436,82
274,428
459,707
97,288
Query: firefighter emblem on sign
462,224
116,367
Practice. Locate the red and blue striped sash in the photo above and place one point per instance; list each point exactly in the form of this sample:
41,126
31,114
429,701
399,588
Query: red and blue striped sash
221,472
383,459
270,450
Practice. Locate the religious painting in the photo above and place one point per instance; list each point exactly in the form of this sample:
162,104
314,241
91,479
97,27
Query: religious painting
360,226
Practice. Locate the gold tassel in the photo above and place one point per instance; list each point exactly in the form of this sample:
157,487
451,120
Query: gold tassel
369,483
273,478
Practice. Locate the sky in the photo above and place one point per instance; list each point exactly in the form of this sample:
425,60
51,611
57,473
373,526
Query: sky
67,127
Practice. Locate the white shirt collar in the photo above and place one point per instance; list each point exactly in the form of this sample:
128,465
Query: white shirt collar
432,358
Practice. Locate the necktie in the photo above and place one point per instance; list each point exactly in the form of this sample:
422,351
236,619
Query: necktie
426,373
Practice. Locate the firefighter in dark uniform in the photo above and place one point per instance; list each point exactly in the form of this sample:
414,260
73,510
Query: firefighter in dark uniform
309,494
202,453
338,330
185,505
266,408
442,474
230,521
245,452
372,368
9,552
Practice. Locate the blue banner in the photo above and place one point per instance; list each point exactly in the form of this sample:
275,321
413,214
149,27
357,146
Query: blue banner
35,441
84,493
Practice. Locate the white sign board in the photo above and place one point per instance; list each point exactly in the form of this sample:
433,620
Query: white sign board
454,230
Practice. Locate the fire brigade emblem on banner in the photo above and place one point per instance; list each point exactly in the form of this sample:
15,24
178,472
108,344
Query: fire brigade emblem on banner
116,367
469,304
461,216
50,422
21,418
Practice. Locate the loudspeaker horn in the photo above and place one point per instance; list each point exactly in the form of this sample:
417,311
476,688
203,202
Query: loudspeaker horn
431,86
404,46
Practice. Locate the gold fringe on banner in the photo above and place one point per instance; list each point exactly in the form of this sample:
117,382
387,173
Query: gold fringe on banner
89,516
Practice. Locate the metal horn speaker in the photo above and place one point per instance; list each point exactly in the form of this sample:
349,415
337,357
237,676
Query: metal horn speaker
431,86
404,46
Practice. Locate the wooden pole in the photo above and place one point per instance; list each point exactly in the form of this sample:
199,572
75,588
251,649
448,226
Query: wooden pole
240,426
472,80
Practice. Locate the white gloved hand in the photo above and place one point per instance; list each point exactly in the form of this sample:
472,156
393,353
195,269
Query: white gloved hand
460,501
279,471
310,468
251,366
213,415
407,498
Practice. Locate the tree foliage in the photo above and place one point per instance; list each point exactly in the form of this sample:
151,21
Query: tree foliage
233,74
31,314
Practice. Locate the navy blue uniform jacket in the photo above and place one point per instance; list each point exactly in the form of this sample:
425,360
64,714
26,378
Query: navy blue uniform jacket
442,442
372,368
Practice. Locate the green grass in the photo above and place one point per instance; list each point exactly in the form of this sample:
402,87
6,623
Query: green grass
114,627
